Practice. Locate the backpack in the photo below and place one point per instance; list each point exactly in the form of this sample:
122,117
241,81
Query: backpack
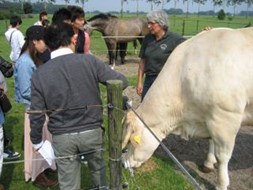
6,68
80,42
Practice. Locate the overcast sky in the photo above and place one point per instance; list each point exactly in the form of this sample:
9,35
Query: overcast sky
131,5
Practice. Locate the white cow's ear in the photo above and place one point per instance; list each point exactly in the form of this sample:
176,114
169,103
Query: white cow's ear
127,131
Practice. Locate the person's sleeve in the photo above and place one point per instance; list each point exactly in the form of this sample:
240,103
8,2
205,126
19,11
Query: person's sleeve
25,71
21,40
105,73
36,119
180,40
87,43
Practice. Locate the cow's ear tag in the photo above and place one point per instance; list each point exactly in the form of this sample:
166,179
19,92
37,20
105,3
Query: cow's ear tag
137,139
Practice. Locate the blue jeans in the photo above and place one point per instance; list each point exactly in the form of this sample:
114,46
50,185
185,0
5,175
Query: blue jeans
149,79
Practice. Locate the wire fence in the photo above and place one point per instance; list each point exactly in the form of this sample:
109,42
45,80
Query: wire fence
81,155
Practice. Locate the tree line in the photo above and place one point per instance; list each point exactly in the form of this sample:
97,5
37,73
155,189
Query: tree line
10,7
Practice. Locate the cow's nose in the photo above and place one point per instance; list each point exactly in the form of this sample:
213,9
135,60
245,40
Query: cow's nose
126,164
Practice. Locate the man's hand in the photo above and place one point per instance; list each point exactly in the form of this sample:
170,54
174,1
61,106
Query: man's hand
139,89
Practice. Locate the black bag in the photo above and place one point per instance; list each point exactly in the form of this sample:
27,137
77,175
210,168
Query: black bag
5,103
6,68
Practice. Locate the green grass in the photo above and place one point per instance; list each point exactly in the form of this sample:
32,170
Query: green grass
162,177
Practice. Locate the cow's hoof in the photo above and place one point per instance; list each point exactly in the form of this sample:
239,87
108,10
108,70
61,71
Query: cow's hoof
205,169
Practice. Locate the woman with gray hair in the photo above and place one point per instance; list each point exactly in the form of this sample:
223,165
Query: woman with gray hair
155,50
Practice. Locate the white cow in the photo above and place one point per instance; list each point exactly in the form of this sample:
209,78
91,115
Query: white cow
205,90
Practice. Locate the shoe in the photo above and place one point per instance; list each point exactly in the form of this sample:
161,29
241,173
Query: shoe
10,155
42,180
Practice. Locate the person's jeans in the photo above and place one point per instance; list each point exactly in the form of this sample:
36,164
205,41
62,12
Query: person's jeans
69,169
149,79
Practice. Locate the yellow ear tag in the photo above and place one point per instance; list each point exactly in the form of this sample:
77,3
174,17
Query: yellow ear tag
137,139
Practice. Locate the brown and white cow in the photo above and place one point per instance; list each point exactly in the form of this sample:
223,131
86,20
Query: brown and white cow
205,90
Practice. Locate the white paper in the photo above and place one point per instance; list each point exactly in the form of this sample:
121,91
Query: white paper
47,152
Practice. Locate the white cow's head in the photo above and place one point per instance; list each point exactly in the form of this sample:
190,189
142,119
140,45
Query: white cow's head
140,142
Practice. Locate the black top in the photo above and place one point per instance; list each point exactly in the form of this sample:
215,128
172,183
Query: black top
156,52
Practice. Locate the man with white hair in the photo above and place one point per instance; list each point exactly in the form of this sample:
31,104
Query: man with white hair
155,50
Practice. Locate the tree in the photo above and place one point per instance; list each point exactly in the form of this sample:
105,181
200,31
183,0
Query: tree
137,6
175,4
187,7
152,2
67,1
81,2
234,3
122,6
199,2
249,4
217,3
27,7
46,2
221,15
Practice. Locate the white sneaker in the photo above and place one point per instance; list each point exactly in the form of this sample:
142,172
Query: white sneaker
10,155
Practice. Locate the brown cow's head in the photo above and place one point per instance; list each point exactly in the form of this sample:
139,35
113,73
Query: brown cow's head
140,142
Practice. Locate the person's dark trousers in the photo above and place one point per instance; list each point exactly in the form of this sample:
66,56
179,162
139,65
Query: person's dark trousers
88,143
7,140
9,154
149,80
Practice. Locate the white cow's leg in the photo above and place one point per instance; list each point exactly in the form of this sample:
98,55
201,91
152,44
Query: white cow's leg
223,130
223,178
224,146
210,160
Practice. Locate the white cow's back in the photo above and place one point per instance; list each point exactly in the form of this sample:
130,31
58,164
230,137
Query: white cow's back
211,71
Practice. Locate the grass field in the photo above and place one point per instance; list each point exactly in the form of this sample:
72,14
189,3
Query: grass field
163,177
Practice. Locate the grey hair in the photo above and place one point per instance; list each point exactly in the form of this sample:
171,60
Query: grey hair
160,17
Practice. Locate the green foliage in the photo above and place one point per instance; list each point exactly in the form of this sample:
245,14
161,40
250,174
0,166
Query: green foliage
4,14
42,6
230,18
221,15
28,8
13,8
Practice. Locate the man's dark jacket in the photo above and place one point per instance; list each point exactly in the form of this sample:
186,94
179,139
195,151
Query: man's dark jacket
71,83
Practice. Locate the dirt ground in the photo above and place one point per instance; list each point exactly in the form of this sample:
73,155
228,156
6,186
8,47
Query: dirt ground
193,153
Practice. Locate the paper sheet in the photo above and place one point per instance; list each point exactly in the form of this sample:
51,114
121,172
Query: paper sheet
47,152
